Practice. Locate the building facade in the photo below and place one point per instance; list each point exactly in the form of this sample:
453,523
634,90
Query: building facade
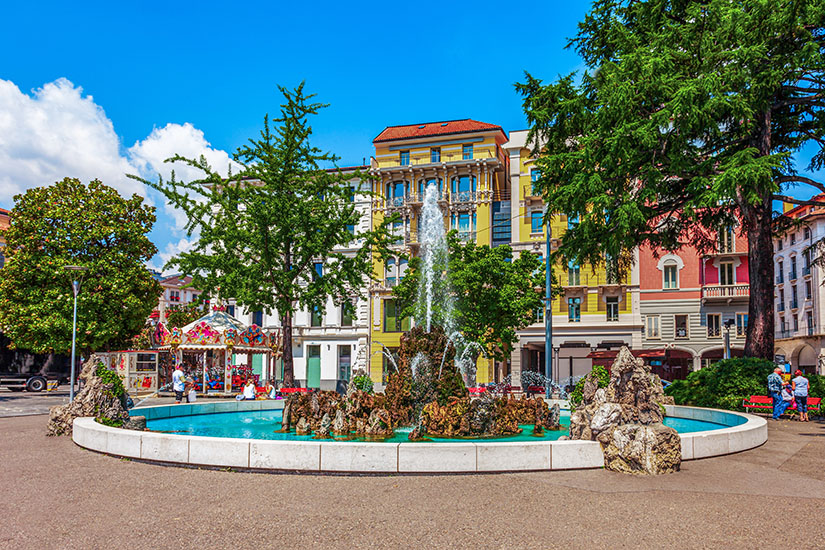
466,160
799,292
691,302
598,308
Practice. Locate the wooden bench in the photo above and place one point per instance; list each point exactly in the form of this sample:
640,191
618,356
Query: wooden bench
765,403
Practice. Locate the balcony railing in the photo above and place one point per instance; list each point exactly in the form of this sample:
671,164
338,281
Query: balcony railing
463,196
806,270
714,332
467,236
780,279
783,333
590,279
792,276
780,306
811,330
716,292
794,304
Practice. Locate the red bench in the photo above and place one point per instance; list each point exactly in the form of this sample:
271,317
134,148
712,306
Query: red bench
765,403
476,391
294,390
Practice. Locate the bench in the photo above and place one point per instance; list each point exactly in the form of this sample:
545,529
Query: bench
535,390
294,390
765,403
476,391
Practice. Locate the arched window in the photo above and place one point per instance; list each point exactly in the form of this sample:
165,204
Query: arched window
402,269
670,274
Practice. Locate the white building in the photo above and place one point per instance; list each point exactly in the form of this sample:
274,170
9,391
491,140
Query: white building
799,292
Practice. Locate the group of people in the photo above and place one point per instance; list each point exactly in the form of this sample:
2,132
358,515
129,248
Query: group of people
250,391
784,394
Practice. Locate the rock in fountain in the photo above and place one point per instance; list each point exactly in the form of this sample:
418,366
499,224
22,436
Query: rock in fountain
626,418
95,399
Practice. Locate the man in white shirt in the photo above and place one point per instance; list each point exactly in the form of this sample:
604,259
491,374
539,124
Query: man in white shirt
178,384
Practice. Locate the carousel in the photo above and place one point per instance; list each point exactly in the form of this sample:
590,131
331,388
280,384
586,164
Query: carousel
219,335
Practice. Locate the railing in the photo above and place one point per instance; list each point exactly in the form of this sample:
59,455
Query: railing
590,279
811,330
780,306
783,333
780,279
422,159
467,236
714,332
726,291
794,304
792,276
806,270
390,282
463,196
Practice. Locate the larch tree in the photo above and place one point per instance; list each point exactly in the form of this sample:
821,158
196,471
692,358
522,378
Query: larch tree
262,231
686,121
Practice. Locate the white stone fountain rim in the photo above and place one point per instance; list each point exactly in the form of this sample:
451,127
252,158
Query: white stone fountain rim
388,458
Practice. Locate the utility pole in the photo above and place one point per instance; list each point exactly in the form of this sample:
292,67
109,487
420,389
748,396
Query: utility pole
548,309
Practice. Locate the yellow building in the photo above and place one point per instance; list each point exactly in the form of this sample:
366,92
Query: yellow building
598,309
466,159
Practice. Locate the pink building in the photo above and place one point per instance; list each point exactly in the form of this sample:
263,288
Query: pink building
688,301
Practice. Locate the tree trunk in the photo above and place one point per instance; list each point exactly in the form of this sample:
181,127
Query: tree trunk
759,339
289,370
759,224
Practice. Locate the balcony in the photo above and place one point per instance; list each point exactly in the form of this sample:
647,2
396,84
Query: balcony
792,276
424,159
811,330
780,279
467,236
806,271
780,306
794,304
783,333
725,293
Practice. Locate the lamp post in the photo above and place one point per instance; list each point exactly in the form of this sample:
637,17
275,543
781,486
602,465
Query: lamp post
548,311
75,270
728,324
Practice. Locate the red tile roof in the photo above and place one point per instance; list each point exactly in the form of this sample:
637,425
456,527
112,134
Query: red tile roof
409,131
176,280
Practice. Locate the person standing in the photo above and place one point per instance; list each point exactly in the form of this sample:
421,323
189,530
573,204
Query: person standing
775,388
800,394
178,384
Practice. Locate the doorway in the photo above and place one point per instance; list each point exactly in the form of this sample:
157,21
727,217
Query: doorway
313,366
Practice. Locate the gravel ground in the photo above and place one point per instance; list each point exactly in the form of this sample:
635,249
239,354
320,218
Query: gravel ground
58,495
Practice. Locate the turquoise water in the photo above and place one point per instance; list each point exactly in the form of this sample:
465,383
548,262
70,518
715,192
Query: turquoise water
263,425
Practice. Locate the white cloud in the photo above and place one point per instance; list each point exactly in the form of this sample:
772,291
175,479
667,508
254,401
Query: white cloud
54,133
57,131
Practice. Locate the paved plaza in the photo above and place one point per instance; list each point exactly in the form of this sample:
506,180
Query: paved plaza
58,495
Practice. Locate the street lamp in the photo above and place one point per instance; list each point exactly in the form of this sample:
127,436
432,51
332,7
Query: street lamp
75,270
728,324
548,309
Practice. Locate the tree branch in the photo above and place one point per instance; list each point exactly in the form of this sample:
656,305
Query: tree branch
801,179
799,202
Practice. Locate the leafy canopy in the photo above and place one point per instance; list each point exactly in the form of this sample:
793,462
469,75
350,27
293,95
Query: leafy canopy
262,230
494,294
70,223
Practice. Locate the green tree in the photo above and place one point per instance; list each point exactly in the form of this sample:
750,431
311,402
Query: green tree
70,223
685,122
181,315
495,295
262,232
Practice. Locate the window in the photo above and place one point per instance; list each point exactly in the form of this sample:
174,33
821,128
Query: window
793,268
652,324
540,314
318,268
393,322
808,290
726,240
347,313
741,324
574,310
344,362
315,318
810,320
671,274
714,325
390,272
573,274
435,154
402,269
807,234
782,326
423,184
780,273
230,310
405,158
572,221
612,308
794,298
258,318
793,238
463,186
536,219
680,326
146,362
467,152
806,262
726,274
795,323
535,174
174,295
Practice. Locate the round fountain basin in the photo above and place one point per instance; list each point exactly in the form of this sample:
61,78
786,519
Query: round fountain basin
243,435
265,424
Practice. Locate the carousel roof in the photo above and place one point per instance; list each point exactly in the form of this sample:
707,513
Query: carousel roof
218,320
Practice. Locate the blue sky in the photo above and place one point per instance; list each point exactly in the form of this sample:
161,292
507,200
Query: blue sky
97,89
